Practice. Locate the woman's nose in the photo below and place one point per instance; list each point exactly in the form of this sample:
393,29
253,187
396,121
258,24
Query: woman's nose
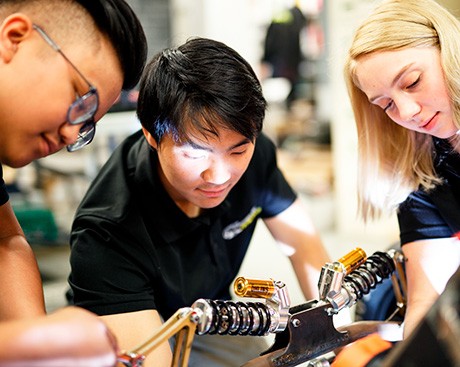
408,109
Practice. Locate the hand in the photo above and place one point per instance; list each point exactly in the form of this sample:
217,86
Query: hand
70,336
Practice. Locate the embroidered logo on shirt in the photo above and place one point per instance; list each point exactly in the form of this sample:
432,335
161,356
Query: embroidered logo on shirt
234,229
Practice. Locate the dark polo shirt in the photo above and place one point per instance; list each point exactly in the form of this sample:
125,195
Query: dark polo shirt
434,214
134,249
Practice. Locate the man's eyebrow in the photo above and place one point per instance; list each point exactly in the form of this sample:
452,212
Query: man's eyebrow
242,142
195,145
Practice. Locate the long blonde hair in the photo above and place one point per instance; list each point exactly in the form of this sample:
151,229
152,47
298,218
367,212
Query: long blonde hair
394,161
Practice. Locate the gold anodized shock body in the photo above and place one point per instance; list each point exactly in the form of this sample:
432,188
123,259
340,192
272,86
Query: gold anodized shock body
254,288
352,260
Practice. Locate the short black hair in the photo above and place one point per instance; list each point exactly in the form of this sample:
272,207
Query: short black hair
117,20
200,85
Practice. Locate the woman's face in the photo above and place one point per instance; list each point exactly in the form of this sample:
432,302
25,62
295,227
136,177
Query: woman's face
409,86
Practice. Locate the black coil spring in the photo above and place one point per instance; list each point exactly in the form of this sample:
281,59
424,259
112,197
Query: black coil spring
239,318
373,271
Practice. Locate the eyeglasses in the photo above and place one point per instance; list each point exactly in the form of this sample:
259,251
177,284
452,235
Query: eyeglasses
83,109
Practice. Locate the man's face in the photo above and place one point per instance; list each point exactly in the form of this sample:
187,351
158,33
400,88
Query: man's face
39,85
199,174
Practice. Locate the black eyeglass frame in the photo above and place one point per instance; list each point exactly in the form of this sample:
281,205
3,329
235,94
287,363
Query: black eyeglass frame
88,130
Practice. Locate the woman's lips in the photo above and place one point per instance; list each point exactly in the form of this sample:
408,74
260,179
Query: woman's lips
428,125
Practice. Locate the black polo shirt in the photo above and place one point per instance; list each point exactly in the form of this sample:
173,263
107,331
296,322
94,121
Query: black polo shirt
434,214
134,249
3,193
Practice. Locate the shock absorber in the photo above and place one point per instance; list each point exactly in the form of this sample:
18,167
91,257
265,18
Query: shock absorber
344,282
373,271
246,318
233,318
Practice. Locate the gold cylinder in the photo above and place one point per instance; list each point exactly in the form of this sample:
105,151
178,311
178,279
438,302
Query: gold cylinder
254,288
353,259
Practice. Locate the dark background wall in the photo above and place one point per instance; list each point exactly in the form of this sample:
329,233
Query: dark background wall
155,16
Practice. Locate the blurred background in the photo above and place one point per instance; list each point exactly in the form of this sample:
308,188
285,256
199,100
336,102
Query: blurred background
297,48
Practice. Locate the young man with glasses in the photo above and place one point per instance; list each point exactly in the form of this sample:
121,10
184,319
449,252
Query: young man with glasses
62,65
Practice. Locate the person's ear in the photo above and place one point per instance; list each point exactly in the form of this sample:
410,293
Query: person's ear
150,138
13,30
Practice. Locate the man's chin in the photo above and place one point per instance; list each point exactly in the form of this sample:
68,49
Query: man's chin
211,203
17,162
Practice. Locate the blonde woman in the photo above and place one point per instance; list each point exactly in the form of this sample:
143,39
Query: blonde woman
403,78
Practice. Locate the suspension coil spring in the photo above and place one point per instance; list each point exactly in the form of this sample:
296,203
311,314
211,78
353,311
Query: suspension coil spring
233,318
373,271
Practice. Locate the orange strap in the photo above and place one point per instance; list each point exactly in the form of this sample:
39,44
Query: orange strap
361,352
